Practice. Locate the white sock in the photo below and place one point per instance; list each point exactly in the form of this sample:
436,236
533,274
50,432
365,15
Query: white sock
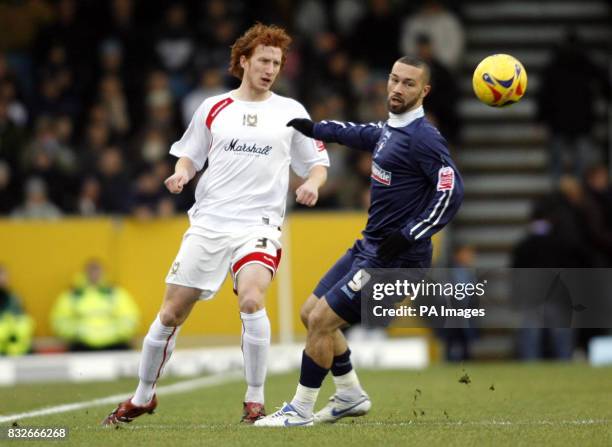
157,348
255,347
348,386
304,400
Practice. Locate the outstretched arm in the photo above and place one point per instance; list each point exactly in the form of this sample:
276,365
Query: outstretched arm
359,136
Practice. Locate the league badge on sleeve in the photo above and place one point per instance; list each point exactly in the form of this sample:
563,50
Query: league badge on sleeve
446,179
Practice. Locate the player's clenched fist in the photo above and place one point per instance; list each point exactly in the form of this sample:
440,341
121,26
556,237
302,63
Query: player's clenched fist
307,194
176,181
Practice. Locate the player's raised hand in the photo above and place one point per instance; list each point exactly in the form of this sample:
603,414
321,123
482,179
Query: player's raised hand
307,194
176,181
302,125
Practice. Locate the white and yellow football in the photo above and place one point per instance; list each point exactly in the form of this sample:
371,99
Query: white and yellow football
499,80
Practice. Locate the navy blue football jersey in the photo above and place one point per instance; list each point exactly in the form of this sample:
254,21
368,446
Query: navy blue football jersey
414,184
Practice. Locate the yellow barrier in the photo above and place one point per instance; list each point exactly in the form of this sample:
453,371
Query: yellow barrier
317,241
43,258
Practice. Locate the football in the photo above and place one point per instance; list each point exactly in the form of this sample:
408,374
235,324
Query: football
499,80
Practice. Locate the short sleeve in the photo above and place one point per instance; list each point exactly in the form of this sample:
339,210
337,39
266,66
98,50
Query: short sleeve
306,152
196,141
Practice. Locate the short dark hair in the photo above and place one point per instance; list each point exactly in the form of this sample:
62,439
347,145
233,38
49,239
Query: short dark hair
417,62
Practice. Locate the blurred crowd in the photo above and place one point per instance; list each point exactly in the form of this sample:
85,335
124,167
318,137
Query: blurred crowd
571,227
93,93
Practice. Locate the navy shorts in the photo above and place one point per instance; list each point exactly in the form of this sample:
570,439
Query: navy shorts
334,284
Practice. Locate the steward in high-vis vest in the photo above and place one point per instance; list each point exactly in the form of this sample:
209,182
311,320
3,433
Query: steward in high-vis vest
94,315
16,328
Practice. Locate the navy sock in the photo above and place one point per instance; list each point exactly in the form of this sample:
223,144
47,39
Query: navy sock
342,364
311,375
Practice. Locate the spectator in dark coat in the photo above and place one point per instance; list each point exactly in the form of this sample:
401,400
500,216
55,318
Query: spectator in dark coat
570,87
115,190
441,102
375,37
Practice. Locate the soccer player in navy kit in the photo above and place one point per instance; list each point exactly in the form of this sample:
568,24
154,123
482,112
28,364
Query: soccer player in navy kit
415,190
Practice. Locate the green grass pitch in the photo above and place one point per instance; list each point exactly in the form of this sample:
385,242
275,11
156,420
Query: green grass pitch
473,404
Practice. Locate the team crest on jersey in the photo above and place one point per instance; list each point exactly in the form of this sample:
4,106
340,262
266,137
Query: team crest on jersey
249,120
381,142
380,175
446,179
320,145
175,267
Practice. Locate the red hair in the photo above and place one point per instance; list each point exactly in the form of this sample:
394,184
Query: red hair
258,34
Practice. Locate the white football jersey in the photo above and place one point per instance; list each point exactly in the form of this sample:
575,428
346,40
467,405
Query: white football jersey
249,149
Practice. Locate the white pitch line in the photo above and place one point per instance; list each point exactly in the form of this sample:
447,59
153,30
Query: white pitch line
487,423
219,379
180,387
383,424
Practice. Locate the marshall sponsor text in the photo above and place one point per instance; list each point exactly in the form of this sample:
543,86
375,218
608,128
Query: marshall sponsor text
236,146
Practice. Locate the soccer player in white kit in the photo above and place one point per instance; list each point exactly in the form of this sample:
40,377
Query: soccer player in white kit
238,211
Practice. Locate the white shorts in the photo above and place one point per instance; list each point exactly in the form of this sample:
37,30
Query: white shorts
206,256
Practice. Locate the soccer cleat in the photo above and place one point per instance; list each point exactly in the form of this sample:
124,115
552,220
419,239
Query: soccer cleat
287,416
126,412
338,408
252,411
